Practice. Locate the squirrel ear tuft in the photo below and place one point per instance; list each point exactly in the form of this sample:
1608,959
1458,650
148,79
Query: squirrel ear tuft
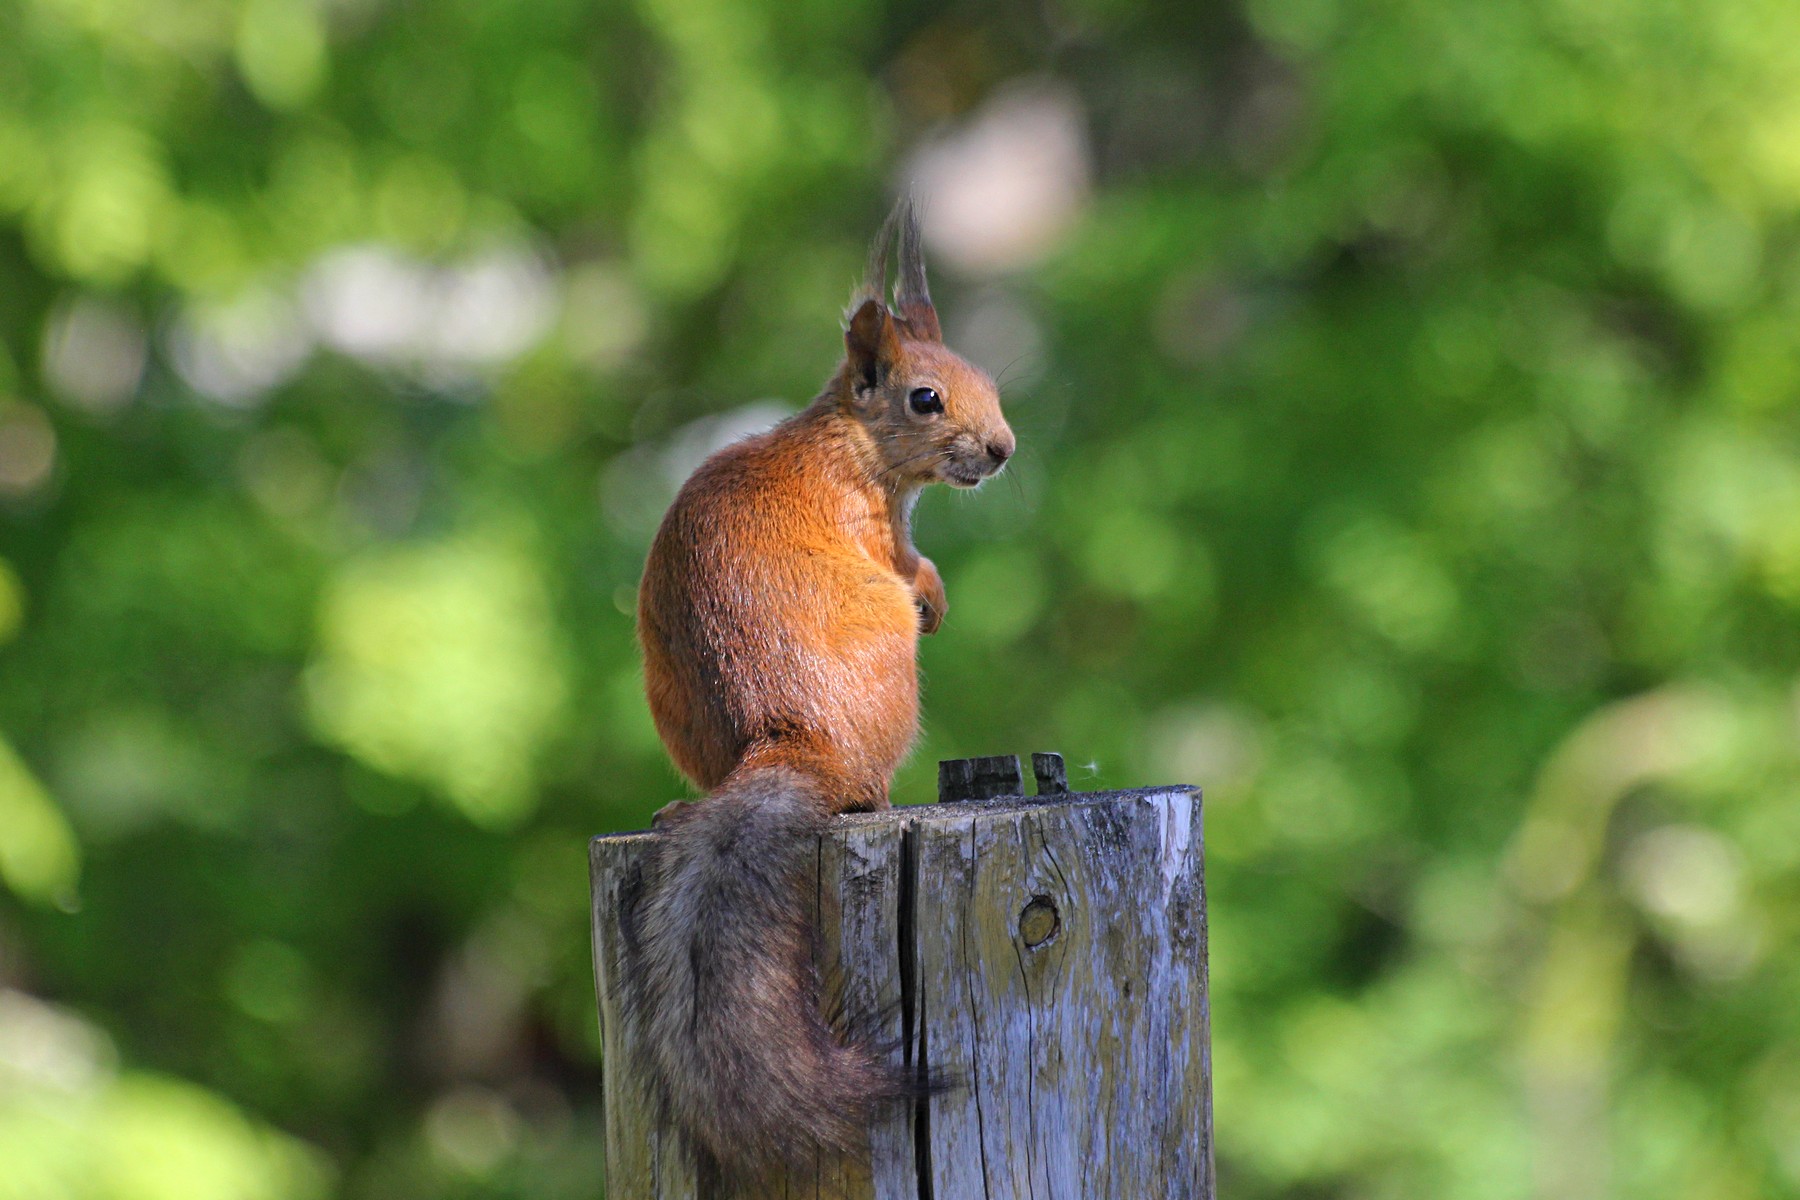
912,299
911,295
871,344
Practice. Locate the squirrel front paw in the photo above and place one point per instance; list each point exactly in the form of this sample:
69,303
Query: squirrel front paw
928,590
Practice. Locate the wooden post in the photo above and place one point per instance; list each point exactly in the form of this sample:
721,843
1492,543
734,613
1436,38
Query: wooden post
1048,952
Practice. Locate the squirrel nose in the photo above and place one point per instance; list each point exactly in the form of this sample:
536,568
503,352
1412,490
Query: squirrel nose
1000,448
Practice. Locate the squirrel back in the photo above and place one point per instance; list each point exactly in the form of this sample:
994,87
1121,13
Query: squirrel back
779,616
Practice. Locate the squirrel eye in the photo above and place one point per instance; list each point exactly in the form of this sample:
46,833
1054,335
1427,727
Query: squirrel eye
925,401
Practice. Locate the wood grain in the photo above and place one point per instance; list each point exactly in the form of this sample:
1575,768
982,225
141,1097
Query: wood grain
1048,955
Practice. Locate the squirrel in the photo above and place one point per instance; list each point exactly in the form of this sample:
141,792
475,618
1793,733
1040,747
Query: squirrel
779,615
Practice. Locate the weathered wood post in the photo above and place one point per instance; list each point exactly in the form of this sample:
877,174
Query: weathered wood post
1049,952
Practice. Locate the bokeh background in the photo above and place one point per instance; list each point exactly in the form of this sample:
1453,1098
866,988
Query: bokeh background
1407,394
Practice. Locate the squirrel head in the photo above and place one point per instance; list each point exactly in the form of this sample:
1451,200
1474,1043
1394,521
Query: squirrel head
931,414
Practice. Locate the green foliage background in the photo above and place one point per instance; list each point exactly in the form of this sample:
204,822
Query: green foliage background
1411,457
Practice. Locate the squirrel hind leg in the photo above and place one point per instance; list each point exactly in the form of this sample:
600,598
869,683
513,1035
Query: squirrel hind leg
671,814
873,798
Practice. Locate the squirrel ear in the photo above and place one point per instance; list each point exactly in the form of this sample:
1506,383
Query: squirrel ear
871,344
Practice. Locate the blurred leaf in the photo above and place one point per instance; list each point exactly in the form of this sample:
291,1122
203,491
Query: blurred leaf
441,663
39,858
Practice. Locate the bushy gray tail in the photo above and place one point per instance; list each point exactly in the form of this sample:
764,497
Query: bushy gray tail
721,991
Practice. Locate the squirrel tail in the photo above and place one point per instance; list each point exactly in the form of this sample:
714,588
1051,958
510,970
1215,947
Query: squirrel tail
721,990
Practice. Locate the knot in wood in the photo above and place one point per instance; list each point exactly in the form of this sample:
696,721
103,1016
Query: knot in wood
1039,922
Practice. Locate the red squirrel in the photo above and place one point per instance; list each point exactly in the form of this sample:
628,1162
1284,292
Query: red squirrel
780,613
